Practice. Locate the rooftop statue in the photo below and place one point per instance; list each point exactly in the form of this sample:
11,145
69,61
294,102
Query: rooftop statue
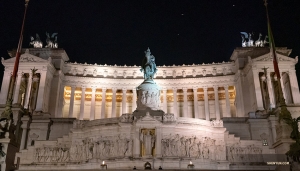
148,65
37,43
247,40
51,41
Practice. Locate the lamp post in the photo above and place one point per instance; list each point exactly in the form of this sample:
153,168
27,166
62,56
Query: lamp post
7,113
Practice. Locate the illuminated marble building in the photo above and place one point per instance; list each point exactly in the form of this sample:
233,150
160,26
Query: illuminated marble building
218,107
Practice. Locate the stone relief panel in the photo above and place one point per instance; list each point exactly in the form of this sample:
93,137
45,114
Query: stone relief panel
251,153
175,145
147,138
85,150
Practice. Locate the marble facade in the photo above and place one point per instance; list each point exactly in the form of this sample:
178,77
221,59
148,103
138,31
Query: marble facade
82,113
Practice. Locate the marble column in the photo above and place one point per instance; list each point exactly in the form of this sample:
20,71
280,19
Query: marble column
175,106
59,111
270,90
134,99
165,106
71,107
258,95
17,87
28,89
206,105
196,111
93,101
40,98
185,105
113,101
124,99
103,103
25,119
282,86
5,86
217,104
228,114
294,86
82,103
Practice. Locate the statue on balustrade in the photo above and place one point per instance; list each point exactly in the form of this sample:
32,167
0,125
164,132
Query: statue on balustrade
148,66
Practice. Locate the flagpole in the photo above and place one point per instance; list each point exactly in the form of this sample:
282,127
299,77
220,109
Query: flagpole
284,113
7,113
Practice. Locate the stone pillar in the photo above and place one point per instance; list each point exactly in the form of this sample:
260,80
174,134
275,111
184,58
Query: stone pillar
72,101
158,142
270,90
136,143
228,113
282,86
134,99
40,98
258,95
28,89
185,105
59,110
82,103
113,101
25,119
294,86
124,90
92,114
103,103
17,87
206,105
165,106
175,106
5,86
217,105
196,111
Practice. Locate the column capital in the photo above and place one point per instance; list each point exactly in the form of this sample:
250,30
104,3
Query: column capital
205,88
114,89
124,90
104,89
20,73
164,89
93,88
215,87
73,87
174,88
184,89
226,87
195,88
83,87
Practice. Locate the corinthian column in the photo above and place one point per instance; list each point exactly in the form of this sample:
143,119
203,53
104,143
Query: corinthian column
165,108
217,107
175,106
185,105
103,103
82,103
92,114
113,101
195,102
206,105
71,101
28,88
228,114
17,88
133,99
124,90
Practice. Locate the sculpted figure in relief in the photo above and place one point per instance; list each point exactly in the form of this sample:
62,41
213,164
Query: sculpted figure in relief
148,141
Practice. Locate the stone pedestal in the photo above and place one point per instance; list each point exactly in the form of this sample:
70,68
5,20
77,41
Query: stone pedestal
148,100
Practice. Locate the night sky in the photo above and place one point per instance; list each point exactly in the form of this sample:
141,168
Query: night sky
177,32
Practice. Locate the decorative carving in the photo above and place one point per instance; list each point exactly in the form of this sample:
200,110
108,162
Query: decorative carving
204,72
194,72
183,73
126,118
250,153
216,123
174,74
147,138
164,74
168,117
